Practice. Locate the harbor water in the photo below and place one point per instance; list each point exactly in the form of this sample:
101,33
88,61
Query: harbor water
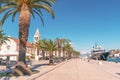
114,59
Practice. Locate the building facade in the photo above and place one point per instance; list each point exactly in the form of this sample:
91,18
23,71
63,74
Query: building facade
11,49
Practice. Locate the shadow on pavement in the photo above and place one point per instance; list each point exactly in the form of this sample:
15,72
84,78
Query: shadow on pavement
38,65
5,75
5,78
118,73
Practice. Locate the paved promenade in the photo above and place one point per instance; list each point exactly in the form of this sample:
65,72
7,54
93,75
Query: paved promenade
81,70
75,69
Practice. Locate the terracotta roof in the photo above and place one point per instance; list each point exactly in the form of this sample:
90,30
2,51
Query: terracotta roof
28,44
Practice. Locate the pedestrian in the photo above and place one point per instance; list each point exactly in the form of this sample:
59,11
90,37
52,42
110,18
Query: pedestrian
88,60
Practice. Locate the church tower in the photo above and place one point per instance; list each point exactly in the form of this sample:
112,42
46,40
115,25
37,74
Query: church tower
36,36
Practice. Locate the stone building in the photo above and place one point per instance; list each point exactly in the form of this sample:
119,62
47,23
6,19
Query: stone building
115,53
11,48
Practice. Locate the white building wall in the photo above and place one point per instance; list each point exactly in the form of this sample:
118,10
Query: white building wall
9,48
12,45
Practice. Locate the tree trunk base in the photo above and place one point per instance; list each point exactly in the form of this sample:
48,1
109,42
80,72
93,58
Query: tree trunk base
21,69
51,62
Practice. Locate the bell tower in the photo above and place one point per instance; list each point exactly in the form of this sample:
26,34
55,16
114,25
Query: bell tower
36,36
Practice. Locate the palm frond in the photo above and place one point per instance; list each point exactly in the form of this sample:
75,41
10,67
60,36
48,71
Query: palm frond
3,38
14,14
34,5
48,2
6,7
6,15
39,16
46,7
37,9
6,1
33,15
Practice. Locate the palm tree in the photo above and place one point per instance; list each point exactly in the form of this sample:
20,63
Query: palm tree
25,8
59,46
40,46
3,38
76,54
51,47
64,42
68,50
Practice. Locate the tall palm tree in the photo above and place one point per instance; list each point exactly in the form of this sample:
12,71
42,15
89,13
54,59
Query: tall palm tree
3,38
59,46
51,47
25,8
68,48
64,42
40,46
76,54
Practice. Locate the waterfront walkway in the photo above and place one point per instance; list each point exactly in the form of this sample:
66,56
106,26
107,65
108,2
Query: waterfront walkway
76,69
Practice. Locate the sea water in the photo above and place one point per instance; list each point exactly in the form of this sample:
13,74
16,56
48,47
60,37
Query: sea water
113,59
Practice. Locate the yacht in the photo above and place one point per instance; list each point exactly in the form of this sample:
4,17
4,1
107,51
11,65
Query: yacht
99,53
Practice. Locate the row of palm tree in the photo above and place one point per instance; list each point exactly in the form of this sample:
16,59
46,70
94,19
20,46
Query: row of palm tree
26,9
44,45
53,46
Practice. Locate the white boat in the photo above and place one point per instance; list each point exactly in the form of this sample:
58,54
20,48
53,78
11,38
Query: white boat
99,53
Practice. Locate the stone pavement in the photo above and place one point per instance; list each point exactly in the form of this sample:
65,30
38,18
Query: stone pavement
74,69
41,66
77,69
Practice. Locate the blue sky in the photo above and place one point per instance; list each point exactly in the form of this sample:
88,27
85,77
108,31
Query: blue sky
84,22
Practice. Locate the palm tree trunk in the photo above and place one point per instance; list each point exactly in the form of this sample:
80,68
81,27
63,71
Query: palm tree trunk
43,54
64,53
56,53
51,57
69,55
24,22
59,53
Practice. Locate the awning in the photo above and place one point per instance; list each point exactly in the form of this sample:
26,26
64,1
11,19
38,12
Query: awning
8,53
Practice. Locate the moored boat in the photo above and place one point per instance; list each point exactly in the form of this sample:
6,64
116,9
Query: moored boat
98,53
